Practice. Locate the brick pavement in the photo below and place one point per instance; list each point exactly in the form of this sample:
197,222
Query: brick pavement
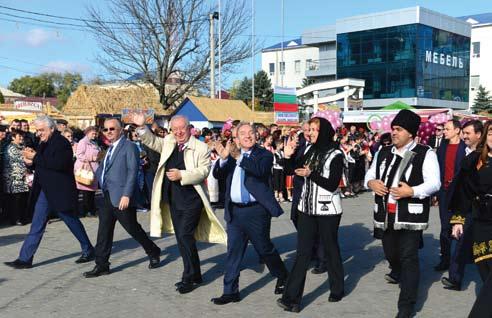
55,286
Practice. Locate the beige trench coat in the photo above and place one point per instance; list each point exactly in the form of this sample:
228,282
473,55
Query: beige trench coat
197,163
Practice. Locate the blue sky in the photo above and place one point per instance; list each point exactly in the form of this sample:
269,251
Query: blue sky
30,49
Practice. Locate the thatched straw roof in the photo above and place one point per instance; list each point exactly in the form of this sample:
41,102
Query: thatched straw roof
90,100
220,110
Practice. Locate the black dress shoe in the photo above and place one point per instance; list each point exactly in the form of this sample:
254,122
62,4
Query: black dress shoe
226,298
18,264
86,258
196,281
97,271
319,270
449,284
187,287
441,267
405,313
280,286
335,298
392,278
154,261
288,307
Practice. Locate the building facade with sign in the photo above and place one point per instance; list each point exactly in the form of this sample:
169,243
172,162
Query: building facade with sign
480,53
413,55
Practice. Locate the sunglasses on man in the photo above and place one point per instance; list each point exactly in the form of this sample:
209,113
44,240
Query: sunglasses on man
109,129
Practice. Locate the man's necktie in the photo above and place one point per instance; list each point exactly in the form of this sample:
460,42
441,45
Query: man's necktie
108,157
244,192
181,147
106,165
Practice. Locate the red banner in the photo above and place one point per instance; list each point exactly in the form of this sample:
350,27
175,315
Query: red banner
282,107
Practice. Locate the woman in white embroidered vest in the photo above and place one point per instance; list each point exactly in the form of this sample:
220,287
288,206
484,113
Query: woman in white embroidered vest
320,211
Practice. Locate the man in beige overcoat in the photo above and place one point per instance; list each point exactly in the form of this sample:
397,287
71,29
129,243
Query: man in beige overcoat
180,202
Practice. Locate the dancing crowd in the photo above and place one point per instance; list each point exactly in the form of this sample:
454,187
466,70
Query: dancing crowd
183,174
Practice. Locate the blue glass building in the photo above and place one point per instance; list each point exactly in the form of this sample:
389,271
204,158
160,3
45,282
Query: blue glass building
414,55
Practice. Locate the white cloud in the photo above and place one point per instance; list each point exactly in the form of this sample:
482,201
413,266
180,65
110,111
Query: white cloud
39,37
64,66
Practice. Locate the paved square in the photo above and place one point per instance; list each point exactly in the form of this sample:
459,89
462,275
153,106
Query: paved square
55,286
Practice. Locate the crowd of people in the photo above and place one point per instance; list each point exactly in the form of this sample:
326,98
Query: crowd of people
180,175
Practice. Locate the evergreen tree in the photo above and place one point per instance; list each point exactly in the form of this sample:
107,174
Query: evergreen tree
263,90
244,90
483,102
2,99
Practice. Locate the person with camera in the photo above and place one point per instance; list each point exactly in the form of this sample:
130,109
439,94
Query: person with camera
472,198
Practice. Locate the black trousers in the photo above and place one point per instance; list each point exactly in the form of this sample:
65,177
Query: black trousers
308,229
128,219
88,202
401,250
185,223
445,238
16,207
483,305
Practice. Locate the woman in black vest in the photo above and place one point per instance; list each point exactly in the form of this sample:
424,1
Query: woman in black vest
473,194
319,214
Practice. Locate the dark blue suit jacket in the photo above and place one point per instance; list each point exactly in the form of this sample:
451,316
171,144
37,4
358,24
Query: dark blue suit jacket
54,175
121,175
441,157
257,172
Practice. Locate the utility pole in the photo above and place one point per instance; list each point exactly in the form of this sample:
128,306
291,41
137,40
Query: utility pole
282,62
253,55
220,50
212,16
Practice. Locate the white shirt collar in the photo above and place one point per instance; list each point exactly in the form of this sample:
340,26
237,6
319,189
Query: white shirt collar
115,144
406,148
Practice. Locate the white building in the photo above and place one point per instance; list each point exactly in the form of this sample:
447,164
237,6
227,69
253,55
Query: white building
480,53
297,59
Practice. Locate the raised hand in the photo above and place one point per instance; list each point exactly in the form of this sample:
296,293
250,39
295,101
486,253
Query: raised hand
223,151
457,231
138,118
289,150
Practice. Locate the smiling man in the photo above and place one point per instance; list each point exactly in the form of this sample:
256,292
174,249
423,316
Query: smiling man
180,202
249,207
53,190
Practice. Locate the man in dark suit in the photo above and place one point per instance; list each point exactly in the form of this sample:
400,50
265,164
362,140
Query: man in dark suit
53,190
249,207
117,176
450,154
437,138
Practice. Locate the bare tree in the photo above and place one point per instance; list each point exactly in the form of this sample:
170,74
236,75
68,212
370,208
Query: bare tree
167,42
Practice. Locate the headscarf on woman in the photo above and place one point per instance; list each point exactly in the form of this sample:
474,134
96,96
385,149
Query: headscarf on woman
315,157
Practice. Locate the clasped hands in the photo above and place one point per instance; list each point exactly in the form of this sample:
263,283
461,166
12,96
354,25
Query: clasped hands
402,191
303,172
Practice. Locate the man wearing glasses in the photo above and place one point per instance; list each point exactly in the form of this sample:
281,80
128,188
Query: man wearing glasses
117,176
436,139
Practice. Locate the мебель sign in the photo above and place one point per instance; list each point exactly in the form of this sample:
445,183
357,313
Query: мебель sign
443,59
